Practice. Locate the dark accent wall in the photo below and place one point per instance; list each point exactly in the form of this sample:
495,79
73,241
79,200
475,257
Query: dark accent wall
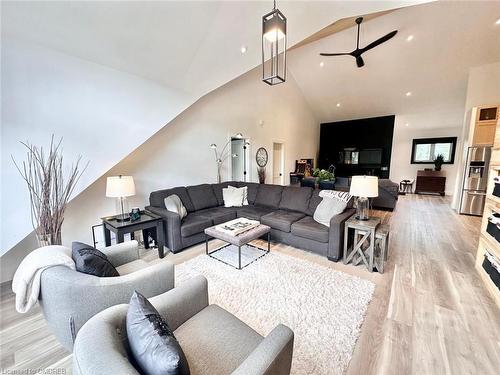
361,134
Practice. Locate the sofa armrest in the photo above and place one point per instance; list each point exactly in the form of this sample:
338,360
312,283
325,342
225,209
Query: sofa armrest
272,356
171,226
183,302
122,253
390,188
336,234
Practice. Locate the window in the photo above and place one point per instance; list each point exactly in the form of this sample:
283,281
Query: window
425,150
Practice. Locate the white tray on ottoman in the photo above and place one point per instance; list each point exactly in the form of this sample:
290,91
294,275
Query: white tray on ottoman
239,240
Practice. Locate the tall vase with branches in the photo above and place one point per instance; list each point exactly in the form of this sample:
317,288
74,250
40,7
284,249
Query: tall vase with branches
49,190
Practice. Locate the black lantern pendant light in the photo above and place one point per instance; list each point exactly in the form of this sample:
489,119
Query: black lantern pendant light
274,47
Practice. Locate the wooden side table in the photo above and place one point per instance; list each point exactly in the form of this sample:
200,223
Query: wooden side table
120,228
364,232
381,247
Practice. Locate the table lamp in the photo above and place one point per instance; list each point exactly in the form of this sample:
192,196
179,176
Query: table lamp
120,187
363,187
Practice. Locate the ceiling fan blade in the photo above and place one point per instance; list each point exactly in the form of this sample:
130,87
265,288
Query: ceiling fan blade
334,54
360,62
385,38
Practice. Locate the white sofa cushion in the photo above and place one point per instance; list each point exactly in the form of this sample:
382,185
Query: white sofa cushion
333,203
233,197
174,204
245,193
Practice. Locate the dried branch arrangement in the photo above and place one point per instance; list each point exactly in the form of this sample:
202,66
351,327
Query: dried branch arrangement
261,172
49,192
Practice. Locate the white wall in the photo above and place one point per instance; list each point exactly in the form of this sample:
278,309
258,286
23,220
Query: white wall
179,154
101,113
402,169
483,86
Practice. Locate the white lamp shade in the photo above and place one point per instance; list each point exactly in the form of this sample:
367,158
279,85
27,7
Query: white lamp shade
364,186
120,186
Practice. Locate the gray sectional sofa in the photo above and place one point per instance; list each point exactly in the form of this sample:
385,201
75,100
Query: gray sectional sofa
287,210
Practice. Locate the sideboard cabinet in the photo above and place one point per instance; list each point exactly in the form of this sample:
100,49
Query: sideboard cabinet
430,182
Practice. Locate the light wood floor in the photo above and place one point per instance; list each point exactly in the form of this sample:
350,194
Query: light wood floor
430,313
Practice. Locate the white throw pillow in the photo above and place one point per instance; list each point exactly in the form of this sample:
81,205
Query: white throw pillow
232,197
245,193
333,203
174,204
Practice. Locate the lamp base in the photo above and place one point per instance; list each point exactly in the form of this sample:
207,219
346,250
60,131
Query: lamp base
123,217
362,218
362,209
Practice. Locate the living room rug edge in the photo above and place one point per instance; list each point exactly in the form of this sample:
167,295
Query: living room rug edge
325,308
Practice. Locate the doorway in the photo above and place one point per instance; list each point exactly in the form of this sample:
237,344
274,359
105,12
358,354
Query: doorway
239,159
278,163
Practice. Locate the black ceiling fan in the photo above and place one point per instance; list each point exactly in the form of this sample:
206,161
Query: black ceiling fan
359,51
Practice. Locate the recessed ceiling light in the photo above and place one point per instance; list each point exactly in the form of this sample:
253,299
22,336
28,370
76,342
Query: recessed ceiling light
410,38
338,105
408,93
497,22
321,64
243,49
407,124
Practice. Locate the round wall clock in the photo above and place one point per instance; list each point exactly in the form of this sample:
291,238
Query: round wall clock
261,157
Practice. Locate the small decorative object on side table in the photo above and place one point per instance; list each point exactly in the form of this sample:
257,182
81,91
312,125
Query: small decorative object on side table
364,232
147,220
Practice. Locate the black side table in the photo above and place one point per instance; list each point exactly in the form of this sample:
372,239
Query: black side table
147,220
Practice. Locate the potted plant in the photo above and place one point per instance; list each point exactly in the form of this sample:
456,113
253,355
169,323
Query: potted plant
438,162
49,189
323,175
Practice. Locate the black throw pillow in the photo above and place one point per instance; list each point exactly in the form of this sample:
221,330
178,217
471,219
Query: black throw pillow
91,261
154,348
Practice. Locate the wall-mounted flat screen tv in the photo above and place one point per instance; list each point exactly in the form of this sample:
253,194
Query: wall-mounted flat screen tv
370,156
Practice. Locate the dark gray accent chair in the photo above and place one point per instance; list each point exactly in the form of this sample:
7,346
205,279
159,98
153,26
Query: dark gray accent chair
326,185
287,210
387,192
213,340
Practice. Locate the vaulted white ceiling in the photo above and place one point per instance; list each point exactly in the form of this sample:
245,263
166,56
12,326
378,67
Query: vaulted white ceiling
193,46
448,39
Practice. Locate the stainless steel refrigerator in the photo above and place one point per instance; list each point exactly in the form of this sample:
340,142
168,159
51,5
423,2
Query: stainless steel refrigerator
475,181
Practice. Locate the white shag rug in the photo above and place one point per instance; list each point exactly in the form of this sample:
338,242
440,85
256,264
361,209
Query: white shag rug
325,308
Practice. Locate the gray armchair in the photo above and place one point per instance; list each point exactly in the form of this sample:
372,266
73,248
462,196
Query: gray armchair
213,340
69,298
